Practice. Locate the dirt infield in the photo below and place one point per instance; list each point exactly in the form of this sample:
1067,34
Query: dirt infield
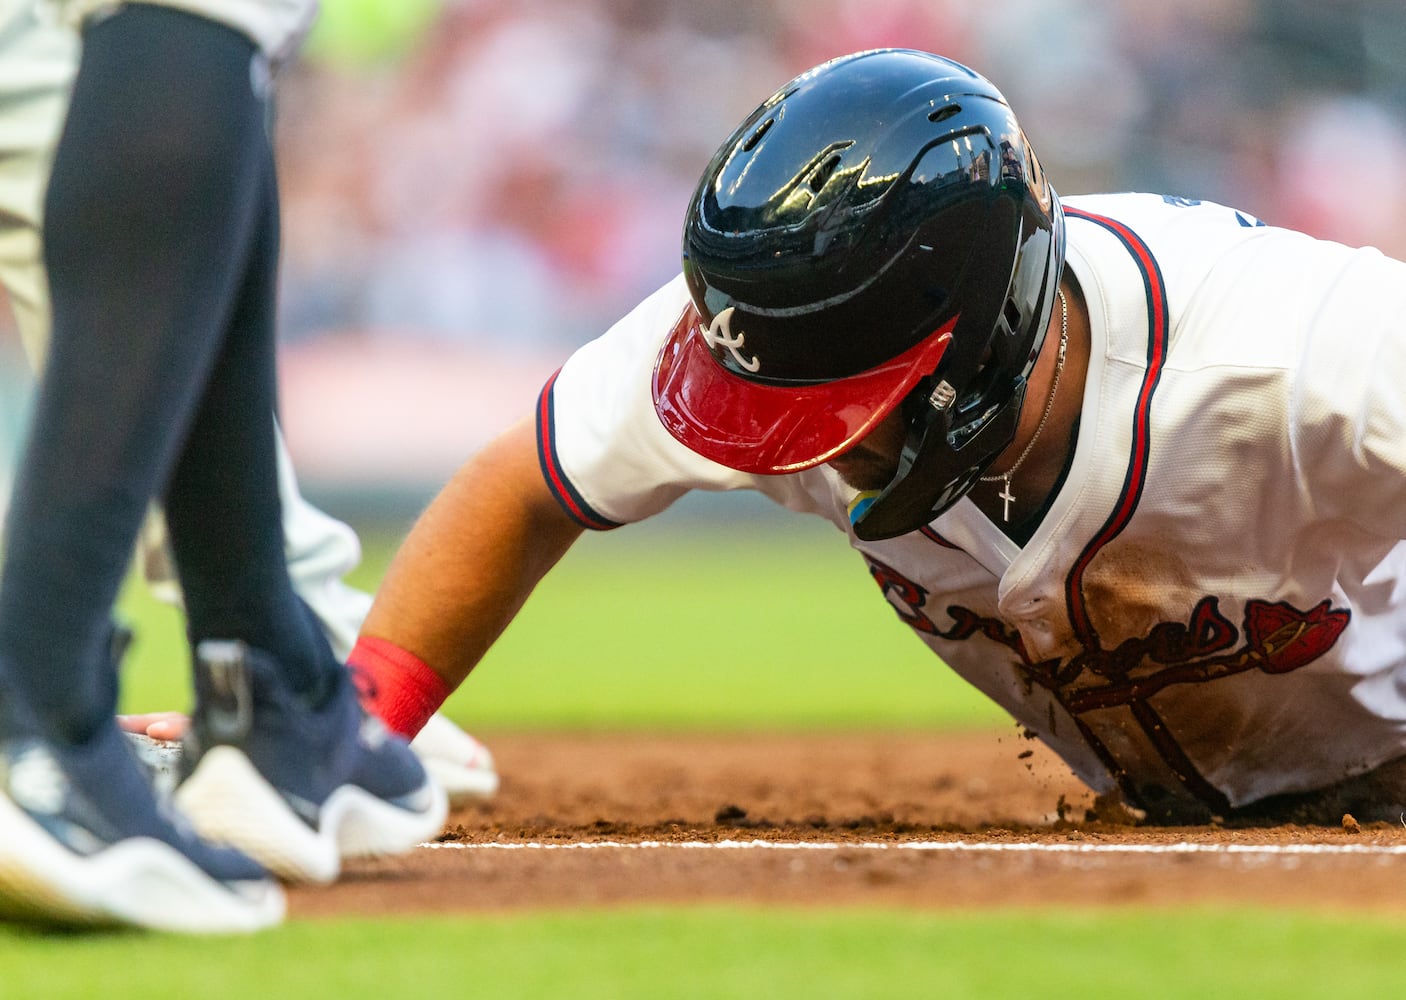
930,821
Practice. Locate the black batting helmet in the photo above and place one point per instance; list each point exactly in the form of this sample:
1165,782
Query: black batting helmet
877,234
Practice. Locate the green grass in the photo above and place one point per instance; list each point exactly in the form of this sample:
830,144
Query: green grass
712,952
687,624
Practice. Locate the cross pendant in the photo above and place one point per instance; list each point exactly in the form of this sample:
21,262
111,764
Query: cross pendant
1008,497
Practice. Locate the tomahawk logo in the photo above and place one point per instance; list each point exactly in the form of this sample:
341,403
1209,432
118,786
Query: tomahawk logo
719,334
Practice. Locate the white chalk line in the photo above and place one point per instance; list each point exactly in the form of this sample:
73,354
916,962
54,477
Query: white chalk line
941,846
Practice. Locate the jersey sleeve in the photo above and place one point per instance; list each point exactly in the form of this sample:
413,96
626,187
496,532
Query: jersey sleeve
603,451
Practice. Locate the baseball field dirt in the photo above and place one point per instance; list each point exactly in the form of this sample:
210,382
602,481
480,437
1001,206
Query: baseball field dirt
965,821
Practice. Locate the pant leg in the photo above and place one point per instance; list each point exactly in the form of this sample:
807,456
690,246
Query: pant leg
222,503
155,204
39,58
320,551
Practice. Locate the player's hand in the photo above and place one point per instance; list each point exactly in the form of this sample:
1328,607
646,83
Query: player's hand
157,725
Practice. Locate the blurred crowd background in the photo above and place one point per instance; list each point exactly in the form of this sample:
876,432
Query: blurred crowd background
513,173
474,187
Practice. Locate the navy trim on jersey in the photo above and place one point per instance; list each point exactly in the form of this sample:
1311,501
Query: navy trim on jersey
567,495
1158,323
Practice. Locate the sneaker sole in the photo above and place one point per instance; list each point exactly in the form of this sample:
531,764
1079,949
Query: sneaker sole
229,801
137,883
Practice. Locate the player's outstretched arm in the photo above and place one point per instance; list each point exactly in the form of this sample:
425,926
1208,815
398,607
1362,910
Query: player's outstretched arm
461,576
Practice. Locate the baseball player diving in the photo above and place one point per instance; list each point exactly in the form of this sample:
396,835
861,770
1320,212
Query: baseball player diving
1132,465
39,54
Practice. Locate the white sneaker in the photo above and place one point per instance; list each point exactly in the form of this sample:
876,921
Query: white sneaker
460,763
83,842
456,760
298,788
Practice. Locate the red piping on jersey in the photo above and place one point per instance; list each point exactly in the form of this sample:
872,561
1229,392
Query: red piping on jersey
567,495
1158,323
927,532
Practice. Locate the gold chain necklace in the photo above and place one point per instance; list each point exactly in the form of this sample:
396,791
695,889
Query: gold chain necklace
1005,477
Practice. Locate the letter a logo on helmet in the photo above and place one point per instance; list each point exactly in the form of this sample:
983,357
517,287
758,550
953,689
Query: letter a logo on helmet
718,335
876,236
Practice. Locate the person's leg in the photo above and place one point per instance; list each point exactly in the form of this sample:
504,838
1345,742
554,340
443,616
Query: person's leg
39,58
276,715
82,837
320,552
222,502
160,244
146,222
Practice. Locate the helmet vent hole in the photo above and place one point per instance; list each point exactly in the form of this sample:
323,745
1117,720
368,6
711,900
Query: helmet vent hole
944,113
822,172
1012,315
756,136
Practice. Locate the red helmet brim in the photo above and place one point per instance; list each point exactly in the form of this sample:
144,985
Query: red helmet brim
767,429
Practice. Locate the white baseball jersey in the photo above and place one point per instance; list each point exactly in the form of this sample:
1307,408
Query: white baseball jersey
1212,608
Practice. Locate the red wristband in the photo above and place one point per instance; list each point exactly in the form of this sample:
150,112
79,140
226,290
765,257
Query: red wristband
395,685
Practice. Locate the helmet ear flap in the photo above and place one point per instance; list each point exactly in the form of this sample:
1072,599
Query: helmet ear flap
966,413
926,484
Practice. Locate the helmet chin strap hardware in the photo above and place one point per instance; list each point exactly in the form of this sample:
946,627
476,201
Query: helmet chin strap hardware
909,501
942,396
